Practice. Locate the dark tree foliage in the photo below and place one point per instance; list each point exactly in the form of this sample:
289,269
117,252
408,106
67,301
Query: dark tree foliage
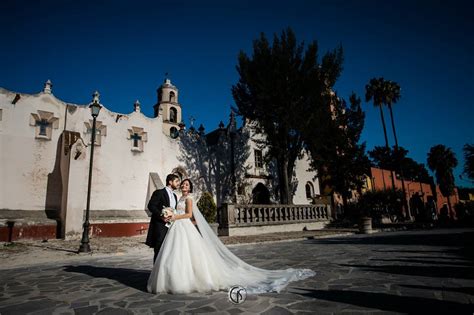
335,149
442,161
391,159
469,161
277,86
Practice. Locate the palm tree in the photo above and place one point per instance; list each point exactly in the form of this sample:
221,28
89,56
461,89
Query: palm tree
376,91
442,160
386,92
392,95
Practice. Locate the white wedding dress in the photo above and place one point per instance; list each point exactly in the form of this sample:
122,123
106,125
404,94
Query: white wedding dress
197,261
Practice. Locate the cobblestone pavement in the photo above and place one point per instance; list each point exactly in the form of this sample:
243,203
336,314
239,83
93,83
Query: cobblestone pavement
393,272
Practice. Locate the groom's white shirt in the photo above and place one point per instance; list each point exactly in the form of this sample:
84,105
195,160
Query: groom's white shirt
171,196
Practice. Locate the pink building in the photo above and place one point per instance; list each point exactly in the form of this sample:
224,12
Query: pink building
382,180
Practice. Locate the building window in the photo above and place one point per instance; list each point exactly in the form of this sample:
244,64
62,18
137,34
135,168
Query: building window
258,158
241,190
44,122
100,131
309,190
173,115
174,132
138,137
172,96
1,111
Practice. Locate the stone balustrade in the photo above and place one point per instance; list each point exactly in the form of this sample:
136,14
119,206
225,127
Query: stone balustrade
239,219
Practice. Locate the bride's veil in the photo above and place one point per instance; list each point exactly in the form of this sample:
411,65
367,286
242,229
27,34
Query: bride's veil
255,280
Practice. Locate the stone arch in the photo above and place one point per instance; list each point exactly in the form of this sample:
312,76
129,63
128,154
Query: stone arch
172,97
260,195
309,188
173,115
174,132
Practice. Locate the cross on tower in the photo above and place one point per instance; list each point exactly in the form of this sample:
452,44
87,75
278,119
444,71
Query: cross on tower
97,133
43,124
135,137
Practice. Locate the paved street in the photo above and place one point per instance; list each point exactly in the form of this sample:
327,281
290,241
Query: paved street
390,272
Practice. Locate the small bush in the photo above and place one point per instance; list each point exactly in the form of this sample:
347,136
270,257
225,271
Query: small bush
208,207
465,212
379,203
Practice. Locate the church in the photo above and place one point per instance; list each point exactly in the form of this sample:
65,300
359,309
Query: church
45,153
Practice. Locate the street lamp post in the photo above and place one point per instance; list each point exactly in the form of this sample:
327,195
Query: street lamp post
95,109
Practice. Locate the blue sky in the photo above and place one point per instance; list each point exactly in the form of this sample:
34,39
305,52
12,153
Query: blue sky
124,48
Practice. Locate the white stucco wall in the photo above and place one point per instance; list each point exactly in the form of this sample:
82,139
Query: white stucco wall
26,161
302,177
120,175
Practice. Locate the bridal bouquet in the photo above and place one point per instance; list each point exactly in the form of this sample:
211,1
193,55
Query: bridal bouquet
166,213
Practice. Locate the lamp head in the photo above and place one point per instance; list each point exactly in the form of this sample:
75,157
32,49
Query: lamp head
95,109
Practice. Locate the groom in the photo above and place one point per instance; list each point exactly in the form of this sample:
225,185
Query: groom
160,199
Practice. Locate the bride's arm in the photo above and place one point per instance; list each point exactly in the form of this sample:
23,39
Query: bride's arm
188,211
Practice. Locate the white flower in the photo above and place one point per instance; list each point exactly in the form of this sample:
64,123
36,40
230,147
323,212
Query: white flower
167,212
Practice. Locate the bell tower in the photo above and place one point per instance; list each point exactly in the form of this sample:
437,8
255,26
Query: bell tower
169,108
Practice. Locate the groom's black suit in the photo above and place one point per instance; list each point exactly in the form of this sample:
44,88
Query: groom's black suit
157,229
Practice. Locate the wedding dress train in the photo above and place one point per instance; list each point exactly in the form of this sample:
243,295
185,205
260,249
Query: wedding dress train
197,261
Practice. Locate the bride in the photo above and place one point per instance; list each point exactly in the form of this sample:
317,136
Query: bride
197,261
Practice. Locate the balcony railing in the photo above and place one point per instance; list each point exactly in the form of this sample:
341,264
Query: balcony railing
248,215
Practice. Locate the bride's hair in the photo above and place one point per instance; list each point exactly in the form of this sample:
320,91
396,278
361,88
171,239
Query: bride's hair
190,184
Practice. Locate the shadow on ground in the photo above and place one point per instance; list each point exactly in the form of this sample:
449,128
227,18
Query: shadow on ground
424,271
465,290
389,302
133,278
435,238
459,242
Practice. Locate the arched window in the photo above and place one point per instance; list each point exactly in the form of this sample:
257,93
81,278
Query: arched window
172,97
174,132
173,115
309,190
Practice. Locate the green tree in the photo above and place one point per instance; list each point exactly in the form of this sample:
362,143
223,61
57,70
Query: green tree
276,85
208,207
338,156
385,158
469,161
389,159
442,161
